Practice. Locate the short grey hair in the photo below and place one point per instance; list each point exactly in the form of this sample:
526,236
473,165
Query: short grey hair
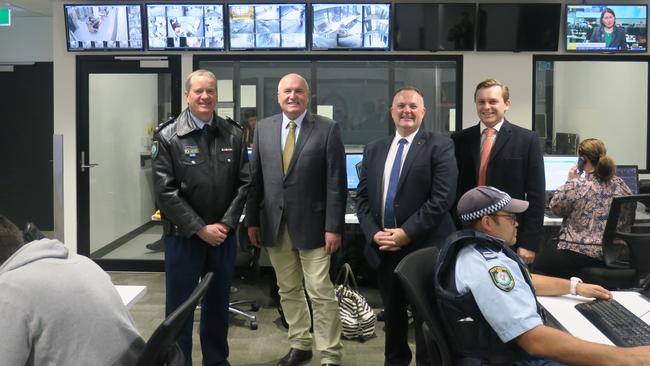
199,72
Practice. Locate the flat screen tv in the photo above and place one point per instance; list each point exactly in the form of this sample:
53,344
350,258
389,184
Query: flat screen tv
434,27
96,27
185,26
607,28
350,26
518,27
267,26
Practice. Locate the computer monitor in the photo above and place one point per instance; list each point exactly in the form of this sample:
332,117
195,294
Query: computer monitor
103,27
556,170
630,175
353,167
267,26
250,154
185,26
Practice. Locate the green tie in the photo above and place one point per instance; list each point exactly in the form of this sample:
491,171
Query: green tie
289,145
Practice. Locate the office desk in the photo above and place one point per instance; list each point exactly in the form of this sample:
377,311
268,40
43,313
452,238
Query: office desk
131,294
563,310
548,221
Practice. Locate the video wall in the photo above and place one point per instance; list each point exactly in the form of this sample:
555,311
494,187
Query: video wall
353,26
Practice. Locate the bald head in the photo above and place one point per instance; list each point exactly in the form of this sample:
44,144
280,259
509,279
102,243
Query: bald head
293,95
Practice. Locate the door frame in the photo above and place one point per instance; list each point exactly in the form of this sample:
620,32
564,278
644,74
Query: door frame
113,64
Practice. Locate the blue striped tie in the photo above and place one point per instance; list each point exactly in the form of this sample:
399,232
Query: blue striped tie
389,208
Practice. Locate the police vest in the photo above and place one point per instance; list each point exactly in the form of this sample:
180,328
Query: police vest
469,334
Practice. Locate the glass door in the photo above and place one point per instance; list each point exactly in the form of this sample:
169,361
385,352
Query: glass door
121,100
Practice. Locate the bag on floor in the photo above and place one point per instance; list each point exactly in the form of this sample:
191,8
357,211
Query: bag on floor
357,318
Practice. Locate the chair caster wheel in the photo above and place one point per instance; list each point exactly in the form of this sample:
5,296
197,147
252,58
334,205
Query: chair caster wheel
253,325
255,307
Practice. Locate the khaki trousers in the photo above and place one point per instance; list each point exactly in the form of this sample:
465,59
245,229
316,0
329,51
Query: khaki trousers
291,266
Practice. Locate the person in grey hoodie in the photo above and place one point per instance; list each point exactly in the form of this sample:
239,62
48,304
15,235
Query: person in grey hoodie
59,308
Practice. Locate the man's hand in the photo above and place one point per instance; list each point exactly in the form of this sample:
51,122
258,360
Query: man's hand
214,234
527,256
332,242
589,290
254,236
391,239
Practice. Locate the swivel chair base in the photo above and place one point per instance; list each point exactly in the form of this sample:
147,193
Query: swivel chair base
250,317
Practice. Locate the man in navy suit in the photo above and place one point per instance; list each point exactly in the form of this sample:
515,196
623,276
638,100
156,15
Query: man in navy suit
515,164
407,187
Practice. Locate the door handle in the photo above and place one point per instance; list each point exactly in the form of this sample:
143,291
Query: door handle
85,166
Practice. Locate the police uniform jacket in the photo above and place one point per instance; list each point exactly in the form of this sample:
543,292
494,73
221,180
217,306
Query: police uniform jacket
490,304
200,178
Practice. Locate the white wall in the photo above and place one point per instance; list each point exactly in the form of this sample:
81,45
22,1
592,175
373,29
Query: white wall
605,100
26,40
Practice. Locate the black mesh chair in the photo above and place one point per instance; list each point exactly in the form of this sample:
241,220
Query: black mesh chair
162,349
415,273
247,264
625,265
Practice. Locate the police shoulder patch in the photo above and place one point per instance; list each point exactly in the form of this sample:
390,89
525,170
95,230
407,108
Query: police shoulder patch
502,278
154,149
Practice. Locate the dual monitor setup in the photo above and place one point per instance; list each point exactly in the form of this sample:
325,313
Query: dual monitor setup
355,26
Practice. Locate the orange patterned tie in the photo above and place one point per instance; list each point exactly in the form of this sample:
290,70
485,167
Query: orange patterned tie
488,142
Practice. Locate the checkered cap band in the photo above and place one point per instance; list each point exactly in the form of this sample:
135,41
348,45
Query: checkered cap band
471,216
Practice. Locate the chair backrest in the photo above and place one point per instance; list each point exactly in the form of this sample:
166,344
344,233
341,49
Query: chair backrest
622,216
161,349
415,273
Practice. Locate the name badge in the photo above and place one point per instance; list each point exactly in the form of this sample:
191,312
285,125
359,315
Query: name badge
191,151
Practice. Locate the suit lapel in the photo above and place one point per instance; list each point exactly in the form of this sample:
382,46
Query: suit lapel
417,145
382,155
475,147
306,129
502,138
275,139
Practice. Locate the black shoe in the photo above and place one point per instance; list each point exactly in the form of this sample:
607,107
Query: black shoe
295,357
156,246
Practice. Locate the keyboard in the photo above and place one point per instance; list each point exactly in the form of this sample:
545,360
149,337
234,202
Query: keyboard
617,323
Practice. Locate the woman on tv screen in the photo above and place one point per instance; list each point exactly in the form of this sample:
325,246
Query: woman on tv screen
608,32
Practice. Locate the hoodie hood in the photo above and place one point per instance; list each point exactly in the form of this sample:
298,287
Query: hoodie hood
34,251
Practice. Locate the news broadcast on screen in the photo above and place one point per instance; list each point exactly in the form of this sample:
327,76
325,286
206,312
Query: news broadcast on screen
607,28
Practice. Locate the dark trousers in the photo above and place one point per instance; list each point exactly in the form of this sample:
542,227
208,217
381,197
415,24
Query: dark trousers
186,260
396,348
562,263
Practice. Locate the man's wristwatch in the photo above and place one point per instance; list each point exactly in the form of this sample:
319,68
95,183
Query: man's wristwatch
574,285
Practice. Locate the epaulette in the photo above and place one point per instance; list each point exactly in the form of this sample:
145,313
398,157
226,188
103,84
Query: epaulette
234,123
163,124
486,252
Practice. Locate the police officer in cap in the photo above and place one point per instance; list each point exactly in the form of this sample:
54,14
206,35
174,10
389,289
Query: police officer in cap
486,297
201,179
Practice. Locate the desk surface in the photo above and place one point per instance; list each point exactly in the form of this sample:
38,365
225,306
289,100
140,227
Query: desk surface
563,310
131,294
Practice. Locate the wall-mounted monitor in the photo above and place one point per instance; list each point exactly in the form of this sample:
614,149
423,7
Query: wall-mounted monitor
350,26
185,26
434,27
96,27
518,27
267,26
607,28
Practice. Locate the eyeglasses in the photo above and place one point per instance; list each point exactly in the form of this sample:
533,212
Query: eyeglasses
511,217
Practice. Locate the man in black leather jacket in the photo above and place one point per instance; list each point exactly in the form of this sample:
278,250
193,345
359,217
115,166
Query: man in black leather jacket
201,179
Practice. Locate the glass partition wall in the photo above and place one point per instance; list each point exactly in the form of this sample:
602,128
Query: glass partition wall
605,97
355,92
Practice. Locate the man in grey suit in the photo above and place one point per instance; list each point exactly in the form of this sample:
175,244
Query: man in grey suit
296,208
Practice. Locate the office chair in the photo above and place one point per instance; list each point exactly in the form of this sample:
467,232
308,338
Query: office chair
161,348
623,271
415,273
247,260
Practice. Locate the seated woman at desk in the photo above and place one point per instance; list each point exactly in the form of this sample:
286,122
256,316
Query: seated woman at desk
584,204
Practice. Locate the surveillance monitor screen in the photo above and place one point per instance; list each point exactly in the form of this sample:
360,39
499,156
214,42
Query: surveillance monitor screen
185,26
353,168
103,27
267,26
351,26
607,28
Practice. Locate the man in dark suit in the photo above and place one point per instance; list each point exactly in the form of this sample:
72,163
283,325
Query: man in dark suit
513,162
407,187
296,208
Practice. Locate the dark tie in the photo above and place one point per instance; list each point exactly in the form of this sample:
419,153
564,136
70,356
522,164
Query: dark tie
389,207
206,129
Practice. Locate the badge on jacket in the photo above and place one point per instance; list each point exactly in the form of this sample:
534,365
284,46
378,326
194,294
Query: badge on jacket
502,278
191,150
154,150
